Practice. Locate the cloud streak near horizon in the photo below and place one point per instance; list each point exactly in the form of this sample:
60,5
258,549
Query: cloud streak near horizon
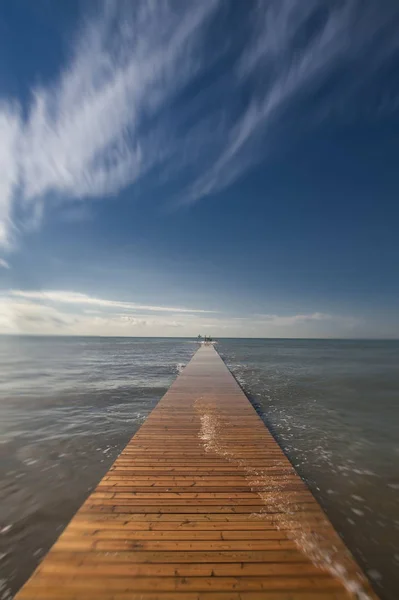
66,297
112,116
73,313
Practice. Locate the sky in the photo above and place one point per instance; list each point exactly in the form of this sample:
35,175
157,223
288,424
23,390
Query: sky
185,167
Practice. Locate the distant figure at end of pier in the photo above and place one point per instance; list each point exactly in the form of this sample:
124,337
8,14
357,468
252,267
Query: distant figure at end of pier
206,340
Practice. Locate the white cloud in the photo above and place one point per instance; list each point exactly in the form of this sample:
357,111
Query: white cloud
19,316
83,135
106,120
65,297
4,264
286,321
284,65
67,313
9,172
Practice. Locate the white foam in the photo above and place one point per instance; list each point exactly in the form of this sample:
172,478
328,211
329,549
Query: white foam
5,529
212,423
357,512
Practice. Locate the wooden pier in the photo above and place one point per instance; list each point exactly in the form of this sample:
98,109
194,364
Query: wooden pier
202,504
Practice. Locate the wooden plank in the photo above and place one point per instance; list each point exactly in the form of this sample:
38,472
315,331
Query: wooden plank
198,584
201,504
181,569
59,593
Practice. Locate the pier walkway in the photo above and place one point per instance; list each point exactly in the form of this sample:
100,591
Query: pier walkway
202,504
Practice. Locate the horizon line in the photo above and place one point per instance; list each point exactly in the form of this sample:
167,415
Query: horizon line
195,338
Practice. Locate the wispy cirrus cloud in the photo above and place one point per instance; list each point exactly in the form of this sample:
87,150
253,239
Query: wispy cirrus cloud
296,52
109,117
83,134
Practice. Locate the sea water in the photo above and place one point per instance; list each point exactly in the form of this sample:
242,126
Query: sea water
68,406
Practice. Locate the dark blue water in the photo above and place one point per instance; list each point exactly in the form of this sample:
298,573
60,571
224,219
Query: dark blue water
69,405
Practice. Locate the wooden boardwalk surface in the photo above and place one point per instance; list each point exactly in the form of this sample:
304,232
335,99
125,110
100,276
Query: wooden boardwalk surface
201,504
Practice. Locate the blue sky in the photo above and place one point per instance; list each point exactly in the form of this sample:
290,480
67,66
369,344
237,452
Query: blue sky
175,168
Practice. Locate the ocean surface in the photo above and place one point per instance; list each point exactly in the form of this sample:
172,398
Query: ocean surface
68,406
